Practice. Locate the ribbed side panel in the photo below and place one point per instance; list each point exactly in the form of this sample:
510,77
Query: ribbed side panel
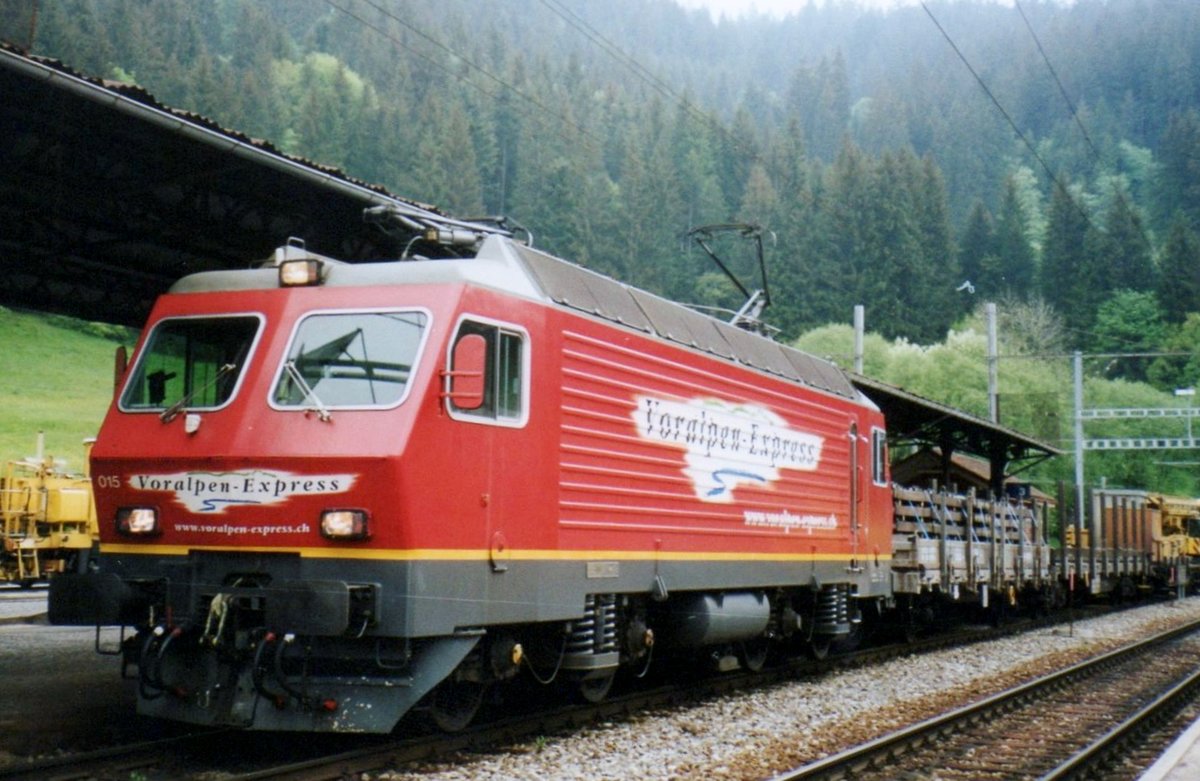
643,436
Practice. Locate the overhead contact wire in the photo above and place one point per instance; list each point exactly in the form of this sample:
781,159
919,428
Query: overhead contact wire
458,55
1004,113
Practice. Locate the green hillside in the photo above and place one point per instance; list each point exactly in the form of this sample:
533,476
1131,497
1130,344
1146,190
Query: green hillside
56,376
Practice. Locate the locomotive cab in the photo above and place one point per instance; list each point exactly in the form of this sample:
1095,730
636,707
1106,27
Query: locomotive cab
260,475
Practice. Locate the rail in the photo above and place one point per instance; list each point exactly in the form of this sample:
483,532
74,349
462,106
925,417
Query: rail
878,755
315,759
1112,743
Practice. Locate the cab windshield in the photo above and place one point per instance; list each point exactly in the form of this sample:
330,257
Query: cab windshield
193,362
350,360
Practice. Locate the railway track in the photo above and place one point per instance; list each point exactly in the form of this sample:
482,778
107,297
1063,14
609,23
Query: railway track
242,756
115,762
1064,725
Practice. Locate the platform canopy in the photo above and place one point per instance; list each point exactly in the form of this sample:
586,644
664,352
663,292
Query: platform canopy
923,423
108,196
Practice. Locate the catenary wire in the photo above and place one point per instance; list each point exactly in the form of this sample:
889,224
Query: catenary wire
630,62
1061,89
1007,117
340,6
1075,115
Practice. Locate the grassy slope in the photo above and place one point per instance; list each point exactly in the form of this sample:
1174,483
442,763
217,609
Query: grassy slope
55,376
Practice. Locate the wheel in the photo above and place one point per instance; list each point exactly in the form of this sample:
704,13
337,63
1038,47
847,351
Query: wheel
594,687
818,646
753,654
455,704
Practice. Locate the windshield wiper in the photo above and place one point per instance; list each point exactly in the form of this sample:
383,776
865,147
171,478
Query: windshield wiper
309,393
172,412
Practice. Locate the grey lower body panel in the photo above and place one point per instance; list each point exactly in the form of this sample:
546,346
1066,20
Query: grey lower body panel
420,598
280,642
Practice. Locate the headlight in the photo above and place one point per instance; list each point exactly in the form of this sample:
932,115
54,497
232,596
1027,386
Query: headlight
344,524
137,521
300,273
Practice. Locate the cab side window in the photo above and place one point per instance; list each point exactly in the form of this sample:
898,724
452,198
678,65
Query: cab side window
879,456
504,379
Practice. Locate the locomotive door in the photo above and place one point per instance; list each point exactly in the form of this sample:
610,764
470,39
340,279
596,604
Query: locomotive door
496,362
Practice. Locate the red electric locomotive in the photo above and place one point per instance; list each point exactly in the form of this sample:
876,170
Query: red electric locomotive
329,492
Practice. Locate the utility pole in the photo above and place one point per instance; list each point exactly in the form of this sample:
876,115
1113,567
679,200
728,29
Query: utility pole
1077,360
992,363
859,324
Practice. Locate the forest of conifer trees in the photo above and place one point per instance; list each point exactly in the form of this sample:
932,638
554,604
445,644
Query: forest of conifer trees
1046,153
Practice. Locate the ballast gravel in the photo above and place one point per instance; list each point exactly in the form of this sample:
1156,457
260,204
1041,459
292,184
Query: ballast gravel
758,734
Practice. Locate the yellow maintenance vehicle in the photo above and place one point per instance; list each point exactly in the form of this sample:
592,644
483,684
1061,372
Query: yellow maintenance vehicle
1180,518
49,519
1180,524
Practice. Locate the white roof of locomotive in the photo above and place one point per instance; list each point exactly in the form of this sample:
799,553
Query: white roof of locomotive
495,266
505,265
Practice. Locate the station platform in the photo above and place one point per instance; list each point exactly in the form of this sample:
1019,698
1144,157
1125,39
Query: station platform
1180,762
22,606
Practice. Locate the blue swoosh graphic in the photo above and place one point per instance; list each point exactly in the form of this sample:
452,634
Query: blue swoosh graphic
211,505
720,475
